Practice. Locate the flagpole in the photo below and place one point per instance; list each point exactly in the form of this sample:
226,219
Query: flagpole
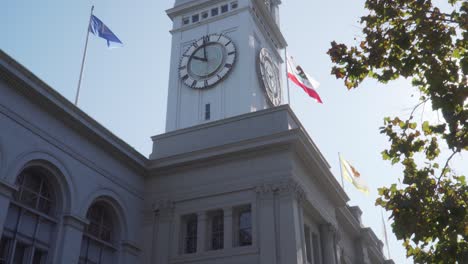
287,77
385,234
84,57
341,170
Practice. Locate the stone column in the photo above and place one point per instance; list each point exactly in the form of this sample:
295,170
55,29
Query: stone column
6,192
165,215
227,211
288,202
327,240
266,224
72,234
201,232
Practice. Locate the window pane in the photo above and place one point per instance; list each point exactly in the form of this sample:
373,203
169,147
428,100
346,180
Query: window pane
44,205
191,235
28,224
28,198
245,228
20,252
224,8
12,217
39,257
245,220
217,229
32,181
214,11
4,247
45,231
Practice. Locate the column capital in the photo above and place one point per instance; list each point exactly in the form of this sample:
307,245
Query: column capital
291,186
165,207
201,216
227,211
266,190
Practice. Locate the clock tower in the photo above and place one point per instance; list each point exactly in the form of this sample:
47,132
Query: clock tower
225,60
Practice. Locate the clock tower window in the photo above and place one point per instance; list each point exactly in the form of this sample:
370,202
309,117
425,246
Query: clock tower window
214,11
195,18
224,8
207,111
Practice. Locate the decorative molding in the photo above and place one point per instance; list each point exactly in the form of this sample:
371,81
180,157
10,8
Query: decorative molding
7,189
75,222
130,247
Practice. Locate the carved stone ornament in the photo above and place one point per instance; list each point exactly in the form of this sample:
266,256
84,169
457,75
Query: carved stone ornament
282,188
164,206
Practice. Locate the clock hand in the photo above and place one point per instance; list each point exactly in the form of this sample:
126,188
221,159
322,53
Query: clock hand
204,48
198,58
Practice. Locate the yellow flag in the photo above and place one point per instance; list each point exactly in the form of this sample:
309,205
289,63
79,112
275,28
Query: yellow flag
353,176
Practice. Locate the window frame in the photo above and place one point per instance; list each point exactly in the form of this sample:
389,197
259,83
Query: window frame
25,215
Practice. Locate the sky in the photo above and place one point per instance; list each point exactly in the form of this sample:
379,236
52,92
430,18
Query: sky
125,89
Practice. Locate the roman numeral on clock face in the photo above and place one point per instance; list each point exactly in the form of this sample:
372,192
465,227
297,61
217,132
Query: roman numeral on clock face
215,50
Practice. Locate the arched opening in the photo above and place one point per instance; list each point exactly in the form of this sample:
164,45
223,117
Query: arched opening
99,243
30,226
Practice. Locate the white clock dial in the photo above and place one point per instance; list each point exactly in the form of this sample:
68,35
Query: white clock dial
207,61
269,77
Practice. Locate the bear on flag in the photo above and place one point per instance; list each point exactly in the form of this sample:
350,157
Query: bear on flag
298,76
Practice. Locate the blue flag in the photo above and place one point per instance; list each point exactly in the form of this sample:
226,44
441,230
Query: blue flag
99,29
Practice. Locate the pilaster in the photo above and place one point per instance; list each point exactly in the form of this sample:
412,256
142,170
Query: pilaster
201,232
165,216
327,237
266,214
289,197
227,211
72,234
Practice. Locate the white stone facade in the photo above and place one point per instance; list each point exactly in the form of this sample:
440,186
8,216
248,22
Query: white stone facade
251,28
248,187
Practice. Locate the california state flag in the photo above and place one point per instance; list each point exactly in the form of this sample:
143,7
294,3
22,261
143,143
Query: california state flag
301,78
353,176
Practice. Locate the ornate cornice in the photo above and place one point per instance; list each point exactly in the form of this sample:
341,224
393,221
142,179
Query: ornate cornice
284,187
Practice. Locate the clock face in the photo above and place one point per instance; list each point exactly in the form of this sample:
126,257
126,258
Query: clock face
269,77
207,61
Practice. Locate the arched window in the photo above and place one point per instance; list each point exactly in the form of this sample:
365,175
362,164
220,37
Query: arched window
31,221
98,244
